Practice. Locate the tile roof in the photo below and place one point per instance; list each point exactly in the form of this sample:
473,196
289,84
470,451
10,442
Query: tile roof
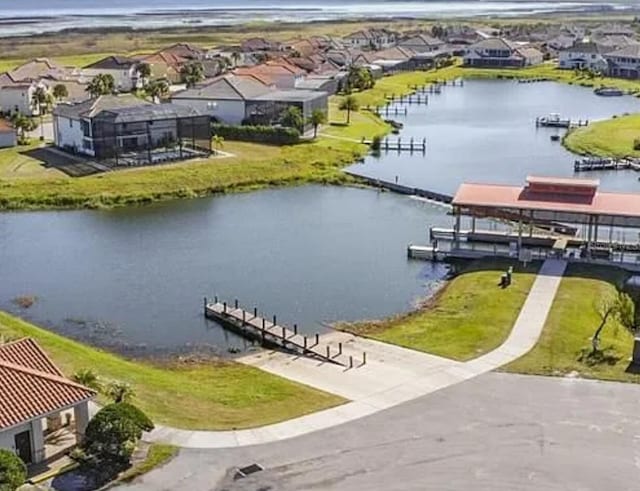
113,63
32,386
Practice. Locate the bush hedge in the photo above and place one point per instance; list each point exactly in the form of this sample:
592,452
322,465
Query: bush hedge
13,471
257,134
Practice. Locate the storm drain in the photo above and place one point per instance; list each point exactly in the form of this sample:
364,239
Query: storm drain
247,471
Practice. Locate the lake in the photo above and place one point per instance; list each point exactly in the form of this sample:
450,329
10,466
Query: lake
485,132
133,279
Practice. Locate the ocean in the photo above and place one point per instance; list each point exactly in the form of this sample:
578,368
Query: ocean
29,17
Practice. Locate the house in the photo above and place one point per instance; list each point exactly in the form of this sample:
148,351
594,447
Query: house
184,51
234,99
624,62
370,39
389,60
329,82
164,66
422,43
498,52
18,85
125,130
8,137
280,73
36,399
124,71
583,55
252,45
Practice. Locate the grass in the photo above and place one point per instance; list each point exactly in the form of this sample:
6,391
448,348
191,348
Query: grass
207,396
471,316
566,339
611,138
158,455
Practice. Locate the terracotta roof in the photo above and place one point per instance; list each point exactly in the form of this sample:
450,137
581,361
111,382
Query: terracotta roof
550,194
32,386
5,127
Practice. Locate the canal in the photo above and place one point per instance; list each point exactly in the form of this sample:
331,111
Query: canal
132,280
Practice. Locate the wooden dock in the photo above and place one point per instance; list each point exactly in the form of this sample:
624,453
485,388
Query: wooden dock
269,333
402,189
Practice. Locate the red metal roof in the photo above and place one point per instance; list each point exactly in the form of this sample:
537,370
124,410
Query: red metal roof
532,198
32,386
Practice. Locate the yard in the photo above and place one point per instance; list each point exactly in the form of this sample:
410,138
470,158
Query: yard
471,316
611,138
200,395
564,346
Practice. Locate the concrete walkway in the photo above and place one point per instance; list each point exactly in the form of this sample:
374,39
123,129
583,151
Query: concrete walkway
392,375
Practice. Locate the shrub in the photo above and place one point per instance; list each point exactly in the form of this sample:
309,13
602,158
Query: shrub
376,143
636,144
113,433
257,134
13,472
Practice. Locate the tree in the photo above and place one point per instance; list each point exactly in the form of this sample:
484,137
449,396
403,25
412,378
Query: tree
119,391
41,102
101,84
144,70
158,90
359,78
292,117
192,73
13,472
318,117
218,142
112,435
88,378
236,57
24,125
349,103
620,307
60,92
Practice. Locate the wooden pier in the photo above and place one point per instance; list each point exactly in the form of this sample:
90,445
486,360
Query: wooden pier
415,98
560,123
269,333
598,164
400,146
402,189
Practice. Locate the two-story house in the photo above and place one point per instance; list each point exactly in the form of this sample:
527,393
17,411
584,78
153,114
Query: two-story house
374,39
583,56
624,62
124,71
498,52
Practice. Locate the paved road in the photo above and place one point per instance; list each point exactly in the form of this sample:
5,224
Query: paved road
494,432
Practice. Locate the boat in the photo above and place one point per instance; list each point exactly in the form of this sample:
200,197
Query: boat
609,92
555,138
553,120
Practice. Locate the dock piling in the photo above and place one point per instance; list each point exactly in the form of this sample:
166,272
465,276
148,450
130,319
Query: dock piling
317,338
255,311
364,357
225,307
339,348
295,329
328,351
350,361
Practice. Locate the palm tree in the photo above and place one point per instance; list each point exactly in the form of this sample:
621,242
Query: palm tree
218,142
60,92
41,102
88,378
158,90
23,124
235,57
318,117
192,73
144,70
349,103
101,84
119,391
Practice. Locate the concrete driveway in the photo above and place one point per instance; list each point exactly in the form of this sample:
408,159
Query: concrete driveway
495,432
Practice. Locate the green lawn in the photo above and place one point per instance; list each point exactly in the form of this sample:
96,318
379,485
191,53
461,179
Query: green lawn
611,138
158,455
566,338
207,396
471,316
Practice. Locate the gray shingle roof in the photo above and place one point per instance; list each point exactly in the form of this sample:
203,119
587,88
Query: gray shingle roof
632,51
113,63
91,107
229,87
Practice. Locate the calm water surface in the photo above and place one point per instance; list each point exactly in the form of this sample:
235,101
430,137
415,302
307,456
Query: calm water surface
485,132
135,278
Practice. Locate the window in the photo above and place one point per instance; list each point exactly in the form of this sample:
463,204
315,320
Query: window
87,144
71,123
86,128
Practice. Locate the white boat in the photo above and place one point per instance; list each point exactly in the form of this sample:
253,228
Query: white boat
609,92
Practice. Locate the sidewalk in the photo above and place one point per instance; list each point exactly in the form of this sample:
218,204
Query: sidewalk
391,376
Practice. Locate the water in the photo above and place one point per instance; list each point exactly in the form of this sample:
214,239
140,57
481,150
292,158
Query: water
34,16
485,132
133,280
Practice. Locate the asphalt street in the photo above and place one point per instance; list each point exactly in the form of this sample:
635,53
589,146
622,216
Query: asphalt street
495,432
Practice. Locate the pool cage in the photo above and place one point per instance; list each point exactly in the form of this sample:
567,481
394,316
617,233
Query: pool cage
150,134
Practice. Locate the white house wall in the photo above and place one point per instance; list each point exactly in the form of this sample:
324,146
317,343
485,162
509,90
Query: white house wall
35,428
123,79
67,133
17,99
225,111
